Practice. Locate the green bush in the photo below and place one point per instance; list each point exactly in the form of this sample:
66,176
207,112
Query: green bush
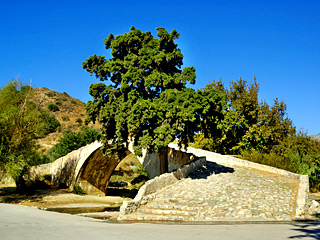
53,107
72,141
65,118
298,154
79,121
49,125
77,189
50,94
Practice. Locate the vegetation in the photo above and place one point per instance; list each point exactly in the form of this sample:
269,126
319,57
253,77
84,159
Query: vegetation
147,100
299,154
21,123
53,107
246,123
65,118
72,141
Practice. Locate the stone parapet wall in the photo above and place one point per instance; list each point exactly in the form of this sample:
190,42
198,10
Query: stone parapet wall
302,201
159,182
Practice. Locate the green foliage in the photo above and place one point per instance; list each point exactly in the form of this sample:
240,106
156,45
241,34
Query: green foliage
79,121
53,107
298,154
77,189
48,124
21,122
246,122
65,118
141,171
50,94
72,141
147,99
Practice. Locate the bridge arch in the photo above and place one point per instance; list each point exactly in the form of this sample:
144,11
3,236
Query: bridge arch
91,170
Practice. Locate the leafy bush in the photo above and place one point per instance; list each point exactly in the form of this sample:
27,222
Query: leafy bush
77,189
53,107
58,103
65,118
79,121
48,125
298,154
72,141
50,94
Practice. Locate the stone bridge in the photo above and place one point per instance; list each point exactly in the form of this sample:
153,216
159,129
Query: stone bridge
90,169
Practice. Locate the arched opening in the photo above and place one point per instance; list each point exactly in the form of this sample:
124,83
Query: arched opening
95,173
127,178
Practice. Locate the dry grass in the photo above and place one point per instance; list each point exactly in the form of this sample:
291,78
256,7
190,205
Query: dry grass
71,114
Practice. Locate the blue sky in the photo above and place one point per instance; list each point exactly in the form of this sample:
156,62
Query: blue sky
276,41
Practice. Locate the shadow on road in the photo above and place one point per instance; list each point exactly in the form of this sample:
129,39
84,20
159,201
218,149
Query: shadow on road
309,230
209,169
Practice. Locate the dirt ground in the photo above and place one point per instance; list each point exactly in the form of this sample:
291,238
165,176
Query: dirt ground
52,198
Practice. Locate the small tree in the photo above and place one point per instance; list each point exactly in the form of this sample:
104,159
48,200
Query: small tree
20,124
147,100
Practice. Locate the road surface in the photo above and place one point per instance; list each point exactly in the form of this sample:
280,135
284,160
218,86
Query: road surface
20,222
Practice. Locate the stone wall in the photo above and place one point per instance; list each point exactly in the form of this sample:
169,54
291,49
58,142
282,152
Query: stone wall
159,182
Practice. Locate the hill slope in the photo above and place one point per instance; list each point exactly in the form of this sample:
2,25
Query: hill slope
69,111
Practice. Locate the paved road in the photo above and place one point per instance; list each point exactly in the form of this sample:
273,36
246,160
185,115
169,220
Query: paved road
19,222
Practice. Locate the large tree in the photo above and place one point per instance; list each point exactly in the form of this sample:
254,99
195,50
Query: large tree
146,100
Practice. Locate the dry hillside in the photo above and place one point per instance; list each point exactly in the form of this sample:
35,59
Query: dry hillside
69,111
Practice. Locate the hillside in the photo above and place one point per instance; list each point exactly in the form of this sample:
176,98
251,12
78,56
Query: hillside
69,111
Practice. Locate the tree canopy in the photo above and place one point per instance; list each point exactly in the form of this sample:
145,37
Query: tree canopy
146,99
246,122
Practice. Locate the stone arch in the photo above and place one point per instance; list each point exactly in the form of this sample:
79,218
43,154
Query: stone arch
95,171
91,170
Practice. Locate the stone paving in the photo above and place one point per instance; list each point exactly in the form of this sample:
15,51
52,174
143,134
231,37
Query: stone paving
219,193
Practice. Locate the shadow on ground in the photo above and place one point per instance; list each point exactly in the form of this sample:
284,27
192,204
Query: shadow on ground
10,195
209,169
309,230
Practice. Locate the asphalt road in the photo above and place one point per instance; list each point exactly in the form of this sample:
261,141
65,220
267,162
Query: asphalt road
19,222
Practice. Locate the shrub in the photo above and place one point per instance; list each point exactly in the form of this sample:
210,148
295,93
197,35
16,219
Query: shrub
77,189
58,103
65,118
79,121
298,154
51,124
50,94
53,107
72,141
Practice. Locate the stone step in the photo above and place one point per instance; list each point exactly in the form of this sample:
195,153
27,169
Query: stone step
184,207
171,212
153,217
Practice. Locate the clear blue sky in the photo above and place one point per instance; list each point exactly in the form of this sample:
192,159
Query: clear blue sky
276,40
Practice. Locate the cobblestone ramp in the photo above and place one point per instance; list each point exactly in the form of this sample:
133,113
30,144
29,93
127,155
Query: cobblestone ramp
218,193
